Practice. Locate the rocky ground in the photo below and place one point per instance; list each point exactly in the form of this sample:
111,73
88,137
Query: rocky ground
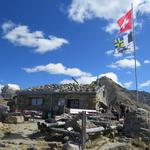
18,137
25,136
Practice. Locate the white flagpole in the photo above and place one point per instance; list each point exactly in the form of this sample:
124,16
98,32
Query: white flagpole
133,36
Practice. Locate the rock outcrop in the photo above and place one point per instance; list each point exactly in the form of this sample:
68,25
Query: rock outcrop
116,93
137,124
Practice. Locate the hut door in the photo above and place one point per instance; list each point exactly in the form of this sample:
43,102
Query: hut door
73,103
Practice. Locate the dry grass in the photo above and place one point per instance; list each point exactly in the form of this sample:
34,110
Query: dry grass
3,102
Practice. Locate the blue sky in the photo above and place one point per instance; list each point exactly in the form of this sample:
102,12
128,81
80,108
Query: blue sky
49,41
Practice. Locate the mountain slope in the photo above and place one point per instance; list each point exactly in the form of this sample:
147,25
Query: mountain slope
144,97
116,94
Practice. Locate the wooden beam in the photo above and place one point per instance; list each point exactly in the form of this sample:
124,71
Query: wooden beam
94,130
59,130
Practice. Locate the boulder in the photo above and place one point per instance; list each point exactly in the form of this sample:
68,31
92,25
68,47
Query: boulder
14,119
71,146
137,124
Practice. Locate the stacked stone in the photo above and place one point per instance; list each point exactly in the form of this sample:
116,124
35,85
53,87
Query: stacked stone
64,88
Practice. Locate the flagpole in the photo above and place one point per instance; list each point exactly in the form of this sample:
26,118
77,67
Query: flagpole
135,58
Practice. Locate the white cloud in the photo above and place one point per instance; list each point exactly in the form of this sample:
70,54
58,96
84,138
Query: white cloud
110,75
138,25
111,27
90,79
128,84
129,54
58,68
125,63
87,9
82,10
145,84
111,52
14,87
67,81
21,35
118,55
145,7
146,61
129,57
81,80
7,26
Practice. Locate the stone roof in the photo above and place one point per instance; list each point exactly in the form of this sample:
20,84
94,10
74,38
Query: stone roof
63,88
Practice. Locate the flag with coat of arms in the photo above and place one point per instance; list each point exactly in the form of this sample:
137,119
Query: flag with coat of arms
124,43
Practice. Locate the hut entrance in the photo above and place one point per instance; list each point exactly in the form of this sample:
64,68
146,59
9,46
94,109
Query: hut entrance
73,103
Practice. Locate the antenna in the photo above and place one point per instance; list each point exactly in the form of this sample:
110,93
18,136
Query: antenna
75,80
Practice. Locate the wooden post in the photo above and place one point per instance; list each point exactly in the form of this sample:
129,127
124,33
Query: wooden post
83,129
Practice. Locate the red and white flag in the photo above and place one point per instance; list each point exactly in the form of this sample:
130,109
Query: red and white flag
125,22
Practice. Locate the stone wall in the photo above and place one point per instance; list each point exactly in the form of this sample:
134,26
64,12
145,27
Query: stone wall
51,101
55,97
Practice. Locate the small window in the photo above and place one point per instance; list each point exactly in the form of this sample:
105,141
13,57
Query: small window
33,101
37,101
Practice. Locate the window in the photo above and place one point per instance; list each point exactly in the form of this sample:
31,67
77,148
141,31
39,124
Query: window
37,101
73,103
61,102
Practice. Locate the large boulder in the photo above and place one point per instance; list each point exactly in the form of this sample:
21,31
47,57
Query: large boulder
137,124
14,119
